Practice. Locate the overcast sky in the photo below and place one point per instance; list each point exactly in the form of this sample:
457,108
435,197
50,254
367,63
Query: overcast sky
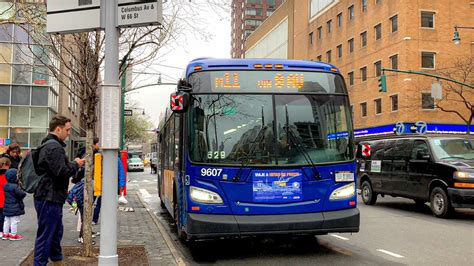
156,98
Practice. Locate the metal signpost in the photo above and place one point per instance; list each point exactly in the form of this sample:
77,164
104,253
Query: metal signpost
69,16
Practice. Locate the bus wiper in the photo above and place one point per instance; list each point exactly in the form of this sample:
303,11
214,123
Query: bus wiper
291,135
260,137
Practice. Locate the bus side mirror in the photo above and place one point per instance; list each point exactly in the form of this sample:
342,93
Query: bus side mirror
179,102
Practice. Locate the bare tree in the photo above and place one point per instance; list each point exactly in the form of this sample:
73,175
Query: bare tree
76,62
459,99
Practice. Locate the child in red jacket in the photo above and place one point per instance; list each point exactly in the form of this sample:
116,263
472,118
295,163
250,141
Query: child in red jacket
4,166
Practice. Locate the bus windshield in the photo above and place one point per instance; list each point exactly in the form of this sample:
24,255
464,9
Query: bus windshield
268,129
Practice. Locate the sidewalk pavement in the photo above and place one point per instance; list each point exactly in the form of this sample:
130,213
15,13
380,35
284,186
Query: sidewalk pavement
134,228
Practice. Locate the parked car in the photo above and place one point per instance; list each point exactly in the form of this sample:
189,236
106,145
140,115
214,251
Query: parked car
435,169
135,164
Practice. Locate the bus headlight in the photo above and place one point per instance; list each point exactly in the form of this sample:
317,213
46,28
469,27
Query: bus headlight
204,195
344,192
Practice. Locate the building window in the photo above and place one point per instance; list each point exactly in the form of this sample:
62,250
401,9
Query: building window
378,31
427,19
350,12
329,25
363,109
427,102
378,106
394,22
428,60
363,73
271,3
339,50
377,2
363,4
253,11
351,45
394,61
320,33
328,56
311,38
255,2
394,101
339,19
316,6
269,12
351,77
363,39
319,58
378,68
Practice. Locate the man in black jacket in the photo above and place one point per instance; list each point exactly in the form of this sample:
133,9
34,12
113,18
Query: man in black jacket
51,193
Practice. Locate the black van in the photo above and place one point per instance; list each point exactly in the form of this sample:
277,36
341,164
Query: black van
438,169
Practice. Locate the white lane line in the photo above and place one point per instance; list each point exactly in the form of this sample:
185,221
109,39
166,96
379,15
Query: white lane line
145,193
146,181
340,237
390,253
134,181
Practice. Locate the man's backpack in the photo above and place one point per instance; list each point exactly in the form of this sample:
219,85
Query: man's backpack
76,195
27,174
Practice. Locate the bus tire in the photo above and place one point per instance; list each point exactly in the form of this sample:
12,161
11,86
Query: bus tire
179,231
440,203
368,195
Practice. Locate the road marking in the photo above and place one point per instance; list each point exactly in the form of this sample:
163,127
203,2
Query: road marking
340,237
146,181
390,253
134,181
145,193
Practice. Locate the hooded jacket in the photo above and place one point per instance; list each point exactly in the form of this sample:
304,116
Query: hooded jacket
15,161
3,182
14,196
54,164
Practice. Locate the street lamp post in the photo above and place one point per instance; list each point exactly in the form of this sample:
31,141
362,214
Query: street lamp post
456,37
124,91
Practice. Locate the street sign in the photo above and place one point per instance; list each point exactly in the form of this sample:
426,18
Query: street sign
366,150
127,112
436,90
136,13
110,119
68,16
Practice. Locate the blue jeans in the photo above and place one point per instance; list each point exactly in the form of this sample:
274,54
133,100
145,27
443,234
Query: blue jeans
50,232
95,218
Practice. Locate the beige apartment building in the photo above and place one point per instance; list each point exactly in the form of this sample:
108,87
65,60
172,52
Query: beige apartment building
361,37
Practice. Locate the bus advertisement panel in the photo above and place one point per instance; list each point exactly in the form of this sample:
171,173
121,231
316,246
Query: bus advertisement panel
261,147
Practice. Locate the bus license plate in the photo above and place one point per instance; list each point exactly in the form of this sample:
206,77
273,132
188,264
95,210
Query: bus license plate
344,176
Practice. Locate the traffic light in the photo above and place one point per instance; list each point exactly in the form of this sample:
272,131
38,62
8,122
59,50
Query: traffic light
382,83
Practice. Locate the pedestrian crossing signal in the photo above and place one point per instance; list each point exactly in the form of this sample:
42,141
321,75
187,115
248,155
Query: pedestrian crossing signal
382,83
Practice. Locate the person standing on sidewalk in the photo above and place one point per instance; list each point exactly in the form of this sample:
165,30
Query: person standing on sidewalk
51,193
13,153
78,178
14,206
4,166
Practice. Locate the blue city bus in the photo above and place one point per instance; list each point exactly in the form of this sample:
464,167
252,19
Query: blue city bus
258,147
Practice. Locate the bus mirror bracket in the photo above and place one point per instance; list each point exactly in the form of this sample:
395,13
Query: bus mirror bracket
184,86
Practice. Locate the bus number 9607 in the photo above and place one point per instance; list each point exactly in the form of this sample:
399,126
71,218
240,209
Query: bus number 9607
211,172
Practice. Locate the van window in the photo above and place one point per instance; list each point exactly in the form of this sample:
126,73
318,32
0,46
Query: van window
419,145
402,149
389,152
377,149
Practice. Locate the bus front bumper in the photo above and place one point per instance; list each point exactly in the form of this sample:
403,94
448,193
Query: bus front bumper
201,226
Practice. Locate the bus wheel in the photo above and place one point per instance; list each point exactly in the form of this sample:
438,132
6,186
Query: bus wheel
179,231
368,195
440,204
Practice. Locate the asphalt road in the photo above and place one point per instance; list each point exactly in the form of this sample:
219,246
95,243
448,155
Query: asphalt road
393,232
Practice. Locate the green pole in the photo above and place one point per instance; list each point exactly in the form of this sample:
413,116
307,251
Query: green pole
123,84
428,75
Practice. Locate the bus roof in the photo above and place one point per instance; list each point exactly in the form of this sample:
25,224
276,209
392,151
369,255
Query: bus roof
248,63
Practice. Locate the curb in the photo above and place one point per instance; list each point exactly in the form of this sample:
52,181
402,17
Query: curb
169,242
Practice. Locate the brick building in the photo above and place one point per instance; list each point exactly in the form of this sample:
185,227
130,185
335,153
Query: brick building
247,15
362,36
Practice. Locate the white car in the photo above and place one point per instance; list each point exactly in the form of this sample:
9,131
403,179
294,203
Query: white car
135,164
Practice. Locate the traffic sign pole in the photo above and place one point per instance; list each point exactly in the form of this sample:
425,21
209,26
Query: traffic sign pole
108,244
